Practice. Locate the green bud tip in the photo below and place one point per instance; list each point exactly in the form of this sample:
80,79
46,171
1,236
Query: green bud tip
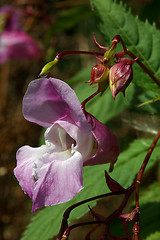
48,67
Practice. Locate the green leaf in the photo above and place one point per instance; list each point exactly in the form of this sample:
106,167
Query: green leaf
154,236
139,37
47,222
150,209
153,108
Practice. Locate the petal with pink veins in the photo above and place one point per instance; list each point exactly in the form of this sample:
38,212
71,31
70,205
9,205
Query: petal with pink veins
26,157
48,100
52,173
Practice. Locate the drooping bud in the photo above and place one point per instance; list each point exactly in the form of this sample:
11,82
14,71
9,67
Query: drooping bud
99,73
120,76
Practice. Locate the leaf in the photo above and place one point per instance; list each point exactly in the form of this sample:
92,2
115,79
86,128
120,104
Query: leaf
154,236
47,222
150,209
139,37
153,108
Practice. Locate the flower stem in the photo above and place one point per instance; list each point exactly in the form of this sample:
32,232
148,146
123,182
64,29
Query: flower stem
68,52
91,231
68,230
143,166
136,227
87,99
127,52
66,214
143,67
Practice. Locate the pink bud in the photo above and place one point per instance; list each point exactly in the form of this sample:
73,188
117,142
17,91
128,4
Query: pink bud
99,73
120,76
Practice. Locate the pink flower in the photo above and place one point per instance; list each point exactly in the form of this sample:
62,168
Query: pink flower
52,173
11,18
17,45
14,42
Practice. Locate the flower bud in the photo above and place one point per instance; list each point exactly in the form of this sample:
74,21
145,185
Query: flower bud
48,67
120,76
99,73
110,53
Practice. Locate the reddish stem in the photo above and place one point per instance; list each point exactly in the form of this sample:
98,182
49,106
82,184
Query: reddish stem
98,45
70,228
143,166
66,214
136,227
126,229
127,52
118,211
87,99
68,52
91,231
143,67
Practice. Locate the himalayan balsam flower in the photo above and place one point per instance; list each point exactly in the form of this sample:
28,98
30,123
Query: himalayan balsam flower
14,42
52,173
17,45
10,18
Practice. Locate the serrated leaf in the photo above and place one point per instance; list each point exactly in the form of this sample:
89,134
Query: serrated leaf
139,37
49,219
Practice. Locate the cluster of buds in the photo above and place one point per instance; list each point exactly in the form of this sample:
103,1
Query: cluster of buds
113,69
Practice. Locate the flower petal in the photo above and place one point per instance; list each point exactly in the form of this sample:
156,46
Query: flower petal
48,100
12,18
59,181
26,157
83,142
17,45
108,147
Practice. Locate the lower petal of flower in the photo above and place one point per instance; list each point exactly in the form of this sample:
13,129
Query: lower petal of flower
52,173
107,147
58,182
26,157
